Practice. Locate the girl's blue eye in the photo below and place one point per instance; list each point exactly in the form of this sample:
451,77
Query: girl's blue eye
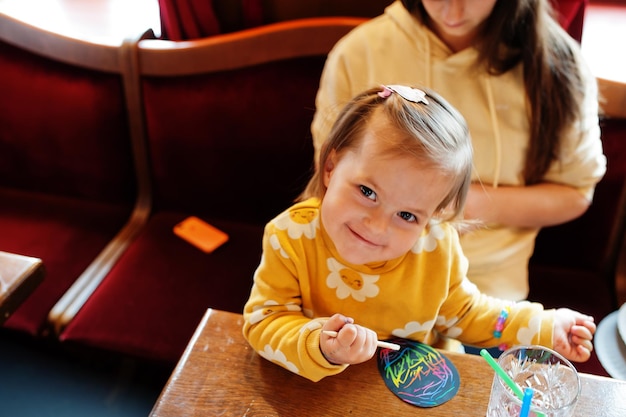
368,192
405,215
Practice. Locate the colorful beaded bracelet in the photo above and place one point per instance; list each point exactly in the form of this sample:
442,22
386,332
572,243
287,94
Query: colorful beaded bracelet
497,333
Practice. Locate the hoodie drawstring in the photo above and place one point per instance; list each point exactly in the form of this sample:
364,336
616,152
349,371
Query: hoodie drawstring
496,133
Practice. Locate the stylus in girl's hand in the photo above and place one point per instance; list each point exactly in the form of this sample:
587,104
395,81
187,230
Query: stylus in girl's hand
380,343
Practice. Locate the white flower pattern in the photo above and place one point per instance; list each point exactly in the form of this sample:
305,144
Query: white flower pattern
268,308
298,223
310,326
413,327
275,242
452,331
525,335
349,282
469,286
428,242
278,357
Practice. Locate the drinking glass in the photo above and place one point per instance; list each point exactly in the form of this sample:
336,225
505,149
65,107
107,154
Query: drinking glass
553,378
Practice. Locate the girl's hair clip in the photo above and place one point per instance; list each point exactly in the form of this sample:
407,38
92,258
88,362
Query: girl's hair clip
408,93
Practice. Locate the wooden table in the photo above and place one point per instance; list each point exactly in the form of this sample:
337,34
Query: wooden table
220,375
19,276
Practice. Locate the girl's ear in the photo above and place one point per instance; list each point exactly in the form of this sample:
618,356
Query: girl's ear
329,166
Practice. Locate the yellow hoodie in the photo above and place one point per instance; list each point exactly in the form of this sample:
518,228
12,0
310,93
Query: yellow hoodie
395,48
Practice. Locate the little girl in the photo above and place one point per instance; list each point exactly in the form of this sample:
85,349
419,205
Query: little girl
370,252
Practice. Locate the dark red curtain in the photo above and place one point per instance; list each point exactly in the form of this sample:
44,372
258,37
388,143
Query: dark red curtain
191,19
571,16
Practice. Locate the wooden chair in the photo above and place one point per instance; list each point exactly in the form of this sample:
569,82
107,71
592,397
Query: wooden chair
69,187
228,132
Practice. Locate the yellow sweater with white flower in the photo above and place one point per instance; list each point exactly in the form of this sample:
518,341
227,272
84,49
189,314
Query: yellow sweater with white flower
302,280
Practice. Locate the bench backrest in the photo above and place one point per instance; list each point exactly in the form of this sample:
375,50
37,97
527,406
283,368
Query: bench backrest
228,117
64,125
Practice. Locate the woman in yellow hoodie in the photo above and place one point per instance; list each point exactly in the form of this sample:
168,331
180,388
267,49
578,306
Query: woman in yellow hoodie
530,101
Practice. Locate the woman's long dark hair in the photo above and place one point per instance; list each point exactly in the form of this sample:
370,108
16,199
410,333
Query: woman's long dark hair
552,78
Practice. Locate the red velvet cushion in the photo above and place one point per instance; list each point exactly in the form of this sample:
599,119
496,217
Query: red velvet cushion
151,302
66,170
67,234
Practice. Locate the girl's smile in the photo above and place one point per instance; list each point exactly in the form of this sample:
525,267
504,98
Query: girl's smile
362,239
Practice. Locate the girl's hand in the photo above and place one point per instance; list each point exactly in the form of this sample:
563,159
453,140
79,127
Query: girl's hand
353,344
573,334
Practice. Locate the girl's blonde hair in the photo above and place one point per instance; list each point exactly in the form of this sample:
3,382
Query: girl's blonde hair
433,132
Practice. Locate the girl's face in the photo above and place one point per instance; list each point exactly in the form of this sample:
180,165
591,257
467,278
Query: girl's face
457,22
376,205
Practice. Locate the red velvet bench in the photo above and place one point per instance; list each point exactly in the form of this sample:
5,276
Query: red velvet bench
67,173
